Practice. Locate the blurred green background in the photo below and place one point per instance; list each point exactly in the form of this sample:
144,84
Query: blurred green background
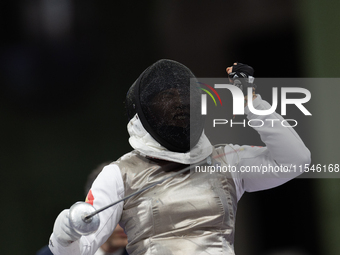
65,68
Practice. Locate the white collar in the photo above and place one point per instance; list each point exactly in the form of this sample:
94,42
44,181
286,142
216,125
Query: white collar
143,142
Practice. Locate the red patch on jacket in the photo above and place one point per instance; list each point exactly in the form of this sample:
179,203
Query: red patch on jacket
89,198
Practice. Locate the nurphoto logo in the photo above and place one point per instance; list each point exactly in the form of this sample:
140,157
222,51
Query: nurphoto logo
238,104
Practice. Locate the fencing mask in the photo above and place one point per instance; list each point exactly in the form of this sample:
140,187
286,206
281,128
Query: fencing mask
168,105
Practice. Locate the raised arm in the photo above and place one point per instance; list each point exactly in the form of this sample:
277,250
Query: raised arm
260,168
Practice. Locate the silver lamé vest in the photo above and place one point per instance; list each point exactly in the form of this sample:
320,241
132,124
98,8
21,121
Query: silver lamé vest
191,213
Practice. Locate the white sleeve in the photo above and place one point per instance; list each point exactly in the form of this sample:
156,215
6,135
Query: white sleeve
255,166
107,188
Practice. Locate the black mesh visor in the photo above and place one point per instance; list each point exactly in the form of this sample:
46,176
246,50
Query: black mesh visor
162,96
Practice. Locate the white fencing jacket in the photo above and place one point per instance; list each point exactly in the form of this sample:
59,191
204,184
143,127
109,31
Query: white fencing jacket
284,150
